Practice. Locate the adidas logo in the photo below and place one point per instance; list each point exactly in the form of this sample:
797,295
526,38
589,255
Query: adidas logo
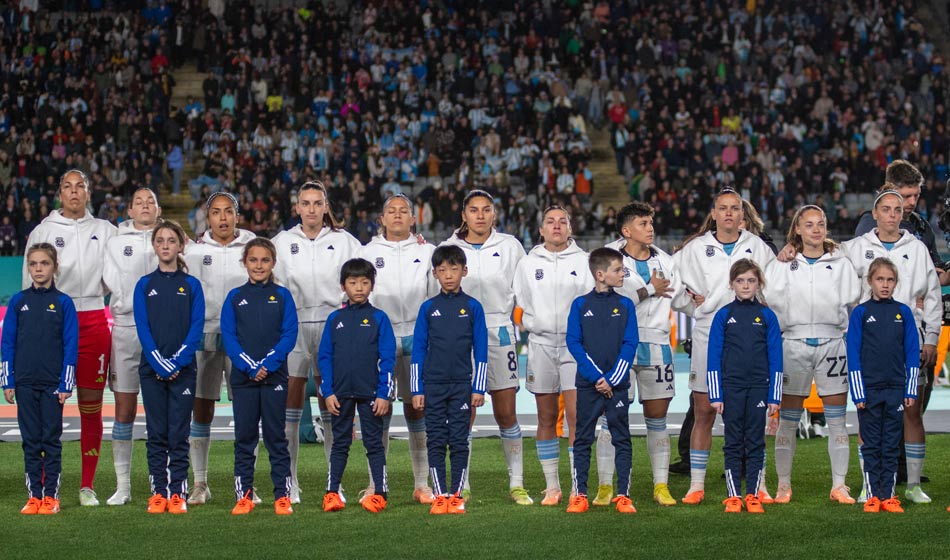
91,453
513,376
619,405
25,307
731,321
589,313
243,302
871,319
339,325
279,388
329,247
416,261
464,407
573,273
495,255
760,405
436,313
186,391
94,238
152,293
670,387
900,408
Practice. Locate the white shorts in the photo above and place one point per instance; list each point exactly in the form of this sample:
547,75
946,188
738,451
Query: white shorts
303,359
502,359
825,364
653,382
213,367
551,369
125,361
401,369
698,360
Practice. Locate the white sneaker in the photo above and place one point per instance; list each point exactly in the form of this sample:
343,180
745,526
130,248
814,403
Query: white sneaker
255,499
863,496
342,495
87,497
917,495
121,497
201,494
295,494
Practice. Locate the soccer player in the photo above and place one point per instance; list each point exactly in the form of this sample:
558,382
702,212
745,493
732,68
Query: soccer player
704,262
309,257
919,282
602,337
745,381
80,241
403,281
215,260
357,355
811,296
450,334
40,345
259,330
129,257
169,318
546,283
653,283
492,259
883,363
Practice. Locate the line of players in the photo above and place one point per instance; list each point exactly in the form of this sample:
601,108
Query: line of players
95,259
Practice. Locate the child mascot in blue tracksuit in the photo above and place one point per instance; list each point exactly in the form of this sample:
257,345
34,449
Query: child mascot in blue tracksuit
40,346
450,331
259,330
169,309
745,381
602,337
883,366
357,356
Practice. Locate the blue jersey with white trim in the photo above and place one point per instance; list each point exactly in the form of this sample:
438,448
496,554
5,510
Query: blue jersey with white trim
40,343
883,348
258,329
450,331
169,311
357,354
745,350
602,336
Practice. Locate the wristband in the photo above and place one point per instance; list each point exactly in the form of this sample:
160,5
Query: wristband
651,290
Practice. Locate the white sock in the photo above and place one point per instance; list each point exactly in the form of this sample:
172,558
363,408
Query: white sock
511,443
864,478
839,443
605,455
698,458
915,462
292,431
549,451
786,438
658,447
326,419
199,446
418,452
122,454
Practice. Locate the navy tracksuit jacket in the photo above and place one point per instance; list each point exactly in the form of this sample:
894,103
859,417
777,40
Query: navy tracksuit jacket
169,309
883,366
745,374
259,329
602,337
450,332
39,348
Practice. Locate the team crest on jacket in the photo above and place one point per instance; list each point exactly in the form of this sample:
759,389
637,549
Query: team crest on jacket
869,255
60,242
626,272
294,248
794,266
380,262
127,251
710,251
539,274
206,260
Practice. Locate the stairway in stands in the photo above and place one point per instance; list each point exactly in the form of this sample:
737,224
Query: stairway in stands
609,186
187,83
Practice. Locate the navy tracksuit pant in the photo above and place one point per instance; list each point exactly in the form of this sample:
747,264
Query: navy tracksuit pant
40,417
448,411
881,425
168,406
744,414
371,427
255,406
590,406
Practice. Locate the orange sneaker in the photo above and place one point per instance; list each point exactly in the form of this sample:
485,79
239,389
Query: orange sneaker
578,504
892,505
694,498
766,498
782,496
32,506
624,504
423,495
552,497
440,505
244,505
332,502
177,505
282,506
753,504
842,495
873,505
374,503
157,504
49,507
733,504
456,505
